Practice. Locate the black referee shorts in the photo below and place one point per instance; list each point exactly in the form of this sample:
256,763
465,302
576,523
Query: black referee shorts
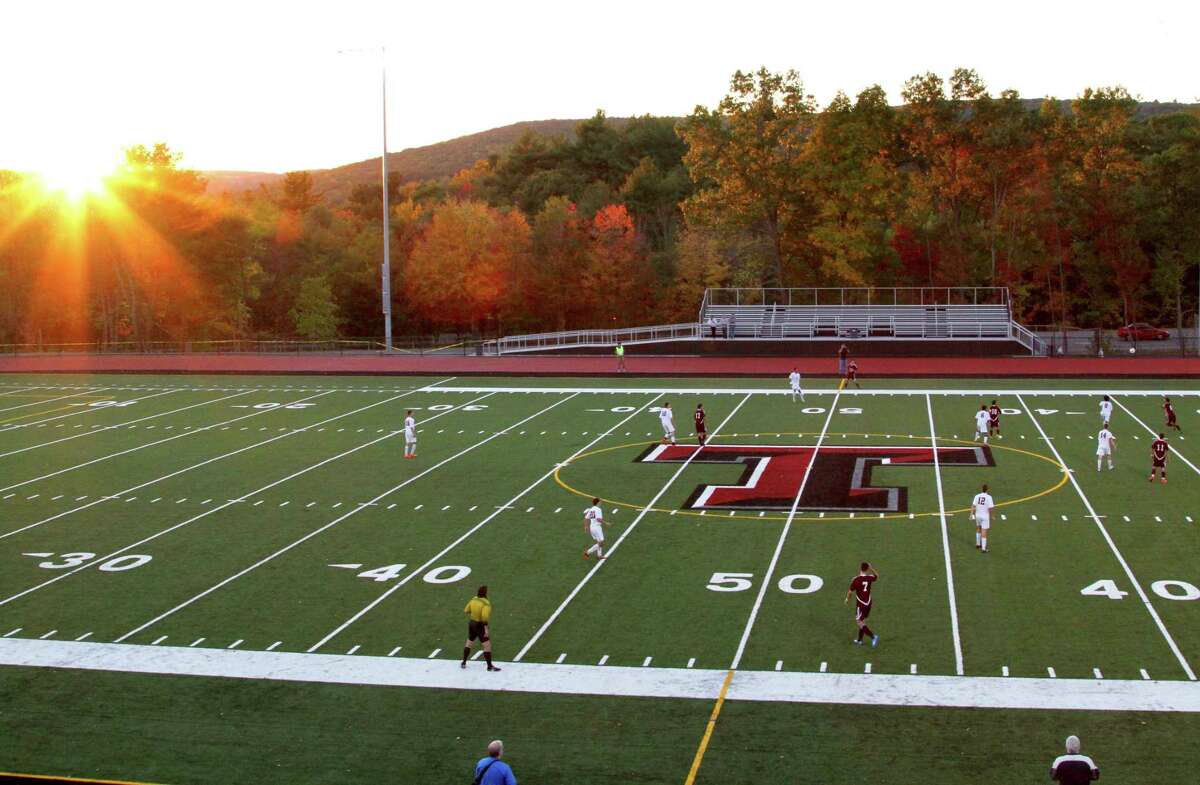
477,630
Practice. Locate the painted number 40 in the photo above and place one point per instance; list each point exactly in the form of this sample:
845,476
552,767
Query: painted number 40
1168,590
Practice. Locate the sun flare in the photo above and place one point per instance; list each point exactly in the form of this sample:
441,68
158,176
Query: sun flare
74,178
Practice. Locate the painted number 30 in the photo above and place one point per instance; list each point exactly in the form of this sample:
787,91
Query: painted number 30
740,581
117,564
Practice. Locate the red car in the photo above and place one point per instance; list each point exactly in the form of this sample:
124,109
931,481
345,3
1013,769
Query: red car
1140,331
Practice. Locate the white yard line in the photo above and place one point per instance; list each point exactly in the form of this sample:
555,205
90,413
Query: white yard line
14,392
181,435
991,692
357,509
229,503
600,562
50,400
463,537
84,409
787,527
102,429
303,429
1153,432
1187,668
937,473
108,497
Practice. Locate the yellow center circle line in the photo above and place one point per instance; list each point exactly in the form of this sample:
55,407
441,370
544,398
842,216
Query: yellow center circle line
1044,492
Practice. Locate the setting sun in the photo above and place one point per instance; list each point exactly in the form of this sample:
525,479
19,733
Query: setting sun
75,178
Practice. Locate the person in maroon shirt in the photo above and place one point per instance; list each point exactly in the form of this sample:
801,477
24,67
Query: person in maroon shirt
1169,411
701,428
1158,457
852,374
994,420
860,589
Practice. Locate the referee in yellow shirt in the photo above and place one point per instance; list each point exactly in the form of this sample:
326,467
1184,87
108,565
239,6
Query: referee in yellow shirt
479,615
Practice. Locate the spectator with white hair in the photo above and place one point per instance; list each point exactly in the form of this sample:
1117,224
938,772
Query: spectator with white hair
493,771
1073,768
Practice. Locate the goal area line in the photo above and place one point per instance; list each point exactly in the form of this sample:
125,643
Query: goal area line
985,692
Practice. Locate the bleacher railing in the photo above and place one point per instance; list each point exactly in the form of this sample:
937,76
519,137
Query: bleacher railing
865,295
569,338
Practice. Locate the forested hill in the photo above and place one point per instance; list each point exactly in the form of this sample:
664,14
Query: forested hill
444,159
431,162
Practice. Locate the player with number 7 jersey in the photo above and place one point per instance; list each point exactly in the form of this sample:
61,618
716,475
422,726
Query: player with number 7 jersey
860,589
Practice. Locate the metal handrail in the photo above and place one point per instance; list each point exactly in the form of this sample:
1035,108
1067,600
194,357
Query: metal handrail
873,295
600,337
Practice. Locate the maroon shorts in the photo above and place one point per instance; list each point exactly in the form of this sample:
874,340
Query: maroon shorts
861,612
1158,463
1171,418
994,422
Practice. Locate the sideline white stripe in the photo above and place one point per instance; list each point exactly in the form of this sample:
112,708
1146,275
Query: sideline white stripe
93,432
341,627
49,400
1153,432
937,473
766,686
600,562
1113,546
787,527
890,391
336,521
229,503
85,409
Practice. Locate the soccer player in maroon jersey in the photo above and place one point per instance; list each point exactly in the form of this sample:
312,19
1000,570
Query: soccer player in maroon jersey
1158,457
701,428
1169,411
860,589
852,374
994,420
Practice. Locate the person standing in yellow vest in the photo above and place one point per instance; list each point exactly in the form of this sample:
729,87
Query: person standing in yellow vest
620,352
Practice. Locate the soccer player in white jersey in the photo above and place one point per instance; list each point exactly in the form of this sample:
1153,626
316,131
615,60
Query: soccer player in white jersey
1105,444
794,383
982,419
667,418
593,524
981,513
1106,411
410,435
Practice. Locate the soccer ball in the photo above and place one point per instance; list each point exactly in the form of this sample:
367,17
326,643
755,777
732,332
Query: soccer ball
1133,350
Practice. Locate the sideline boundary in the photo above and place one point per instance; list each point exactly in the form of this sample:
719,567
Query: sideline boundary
989,692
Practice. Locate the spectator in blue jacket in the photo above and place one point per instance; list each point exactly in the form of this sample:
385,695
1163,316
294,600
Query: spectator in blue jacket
493,771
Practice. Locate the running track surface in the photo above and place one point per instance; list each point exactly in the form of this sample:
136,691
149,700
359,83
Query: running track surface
562,365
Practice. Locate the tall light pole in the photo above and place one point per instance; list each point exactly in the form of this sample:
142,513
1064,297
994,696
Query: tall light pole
387,223
386,267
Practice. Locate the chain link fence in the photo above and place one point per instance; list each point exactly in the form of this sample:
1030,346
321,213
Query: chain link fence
1083,342
442,345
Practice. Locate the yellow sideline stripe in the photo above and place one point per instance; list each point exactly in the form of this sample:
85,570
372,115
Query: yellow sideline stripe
35,414
9,774
708,731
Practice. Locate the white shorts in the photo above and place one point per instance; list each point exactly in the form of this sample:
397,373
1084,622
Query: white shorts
597,532
668,431
795,388
410,438
983,523
1102,451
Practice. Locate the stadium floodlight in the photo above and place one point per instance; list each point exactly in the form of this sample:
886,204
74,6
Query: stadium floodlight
386,270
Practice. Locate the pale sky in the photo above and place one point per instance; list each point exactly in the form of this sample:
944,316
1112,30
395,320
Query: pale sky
259,85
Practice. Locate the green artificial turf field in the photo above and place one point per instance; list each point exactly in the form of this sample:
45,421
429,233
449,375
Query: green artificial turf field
189,530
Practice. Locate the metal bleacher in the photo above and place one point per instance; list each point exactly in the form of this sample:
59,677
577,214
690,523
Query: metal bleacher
945,314
760,314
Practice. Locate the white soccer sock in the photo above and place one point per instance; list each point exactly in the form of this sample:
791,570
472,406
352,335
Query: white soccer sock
985,543
976,538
